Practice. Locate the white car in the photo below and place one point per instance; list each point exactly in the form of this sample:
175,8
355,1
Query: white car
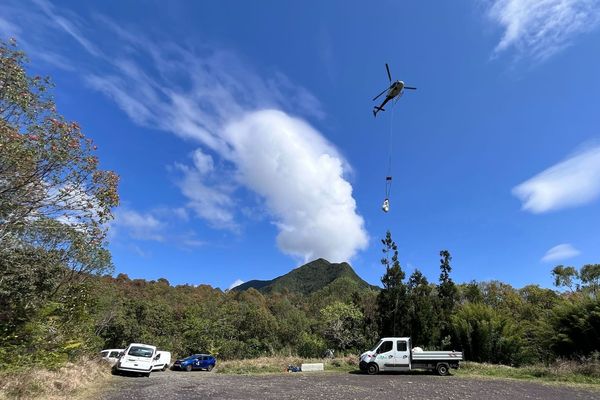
111,355
137,358
162,361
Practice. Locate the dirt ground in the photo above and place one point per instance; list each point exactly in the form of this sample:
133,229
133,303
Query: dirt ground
331,385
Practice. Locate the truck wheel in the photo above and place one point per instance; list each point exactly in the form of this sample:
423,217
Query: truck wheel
442,369
188,368
372,369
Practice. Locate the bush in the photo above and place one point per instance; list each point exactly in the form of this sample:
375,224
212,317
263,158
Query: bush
311,346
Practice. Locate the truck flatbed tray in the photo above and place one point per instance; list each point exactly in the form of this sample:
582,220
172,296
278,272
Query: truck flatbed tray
437,355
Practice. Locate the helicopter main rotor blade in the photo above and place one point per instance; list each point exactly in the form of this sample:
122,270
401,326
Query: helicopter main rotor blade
410,87
379,95
388,71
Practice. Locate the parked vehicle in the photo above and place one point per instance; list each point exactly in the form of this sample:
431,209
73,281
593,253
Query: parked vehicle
395,354
162,361
137,358
111,355
196,361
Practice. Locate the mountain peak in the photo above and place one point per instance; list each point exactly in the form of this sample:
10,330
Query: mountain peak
307,278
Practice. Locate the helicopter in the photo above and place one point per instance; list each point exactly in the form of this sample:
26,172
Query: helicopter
396,89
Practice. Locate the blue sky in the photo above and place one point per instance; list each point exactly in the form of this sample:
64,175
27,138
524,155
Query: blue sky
243,133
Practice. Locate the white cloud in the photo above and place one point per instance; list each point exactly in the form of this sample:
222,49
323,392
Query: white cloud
236,283
210,201
560,252
68,23
139,225
572,182
300,176
203,162
541,28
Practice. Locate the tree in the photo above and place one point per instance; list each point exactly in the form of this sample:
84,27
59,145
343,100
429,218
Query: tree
565,276
54,207
342,325
486,335
422,316
590,277
48,169
53,196
447,292
392,299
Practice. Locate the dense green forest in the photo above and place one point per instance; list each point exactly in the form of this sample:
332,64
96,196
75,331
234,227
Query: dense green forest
59,300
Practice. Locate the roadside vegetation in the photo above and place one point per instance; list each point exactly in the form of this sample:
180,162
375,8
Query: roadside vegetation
562,371
66,382
60,303
279,364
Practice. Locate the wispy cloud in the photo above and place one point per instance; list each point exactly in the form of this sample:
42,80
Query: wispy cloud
572,182
143,226
210,199
69,24
541,28
560,252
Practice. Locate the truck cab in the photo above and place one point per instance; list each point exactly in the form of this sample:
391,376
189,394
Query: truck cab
396,354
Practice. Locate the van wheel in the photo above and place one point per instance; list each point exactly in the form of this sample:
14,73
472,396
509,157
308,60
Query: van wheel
442,369
164,368
188,368
372,369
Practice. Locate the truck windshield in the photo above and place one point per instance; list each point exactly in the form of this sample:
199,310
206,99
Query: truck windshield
137,351
376,346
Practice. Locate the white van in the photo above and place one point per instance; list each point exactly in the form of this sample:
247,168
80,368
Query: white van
162,361
138,358
111,355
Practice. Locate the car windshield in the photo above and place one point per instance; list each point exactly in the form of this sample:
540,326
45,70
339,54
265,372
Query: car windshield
139,351
190,358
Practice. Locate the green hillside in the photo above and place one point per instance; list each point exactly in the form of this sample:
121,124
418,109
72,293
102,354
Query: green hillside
307,279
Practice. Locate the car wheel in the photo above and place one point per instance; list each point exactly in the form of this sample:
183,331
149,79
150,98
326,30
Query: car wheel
372,369
188,368
442,369
210,367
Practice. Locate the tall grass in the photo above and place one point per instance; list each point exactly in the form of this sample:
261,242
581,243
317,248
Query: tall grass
66,382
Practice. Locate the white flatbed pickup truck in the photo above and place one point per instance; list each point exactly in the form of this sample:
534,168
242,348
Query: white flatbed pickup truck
396,354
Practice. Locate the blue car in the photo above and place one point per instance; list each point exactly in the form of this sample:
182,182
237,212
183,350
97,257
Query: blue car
196,361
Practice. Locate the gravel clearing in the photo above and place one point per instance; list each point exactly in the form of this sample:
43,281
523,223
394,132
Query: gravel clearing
332,385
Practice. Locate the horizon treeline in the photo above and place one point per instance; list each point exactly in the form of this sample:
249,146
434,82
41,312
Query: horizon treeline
58,300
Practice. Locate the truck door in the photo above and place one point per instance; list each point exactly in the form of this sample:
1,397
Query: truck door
402,356
385,355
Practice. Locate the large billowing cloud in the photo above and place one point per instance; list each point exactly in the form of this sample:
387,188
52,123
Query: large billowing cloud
245,139
572,182
540,28
300,176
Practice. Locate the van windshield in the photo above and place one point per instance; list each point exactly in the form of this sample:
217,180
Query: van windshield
138,351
